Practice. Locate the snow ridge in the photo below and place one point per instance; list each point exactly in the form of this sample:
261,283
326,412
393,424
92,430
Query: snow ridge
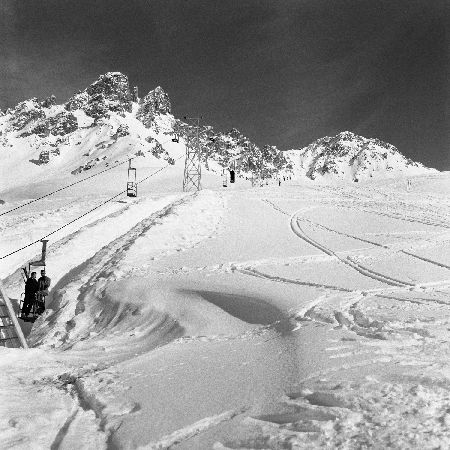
350,157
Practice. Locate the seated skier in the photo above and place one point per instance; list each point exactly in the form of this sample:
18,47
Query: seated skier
43,285
31,288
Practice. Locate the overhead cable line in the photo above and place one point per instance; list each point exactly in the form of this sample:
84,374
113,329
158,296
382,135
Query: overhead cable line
72,184
85,214
64,187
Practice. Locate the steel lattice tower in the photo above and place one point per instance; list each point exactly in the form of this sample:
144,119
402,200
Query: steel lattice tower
192,168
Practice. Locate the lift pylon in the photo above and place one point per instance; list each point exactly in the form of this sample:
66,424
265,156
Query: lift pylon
192,168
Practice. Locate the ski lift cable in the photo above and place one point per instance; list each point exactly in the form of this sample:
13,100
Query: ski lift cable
64,187
71,184
159,170
84,214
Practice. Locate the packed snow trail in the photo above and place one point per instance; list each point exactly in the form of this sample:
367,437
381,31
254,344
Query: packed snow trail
212,325
211,257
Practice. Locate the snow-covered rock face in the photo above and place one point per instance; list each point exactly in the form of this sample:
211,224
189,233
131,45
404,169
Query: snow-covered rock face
111,92
26,113
61,124
154,103
95,127
352,157
235,151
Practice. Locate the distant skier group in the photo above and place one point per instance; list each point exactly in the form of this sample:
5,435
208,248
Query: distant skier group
35,293
408,184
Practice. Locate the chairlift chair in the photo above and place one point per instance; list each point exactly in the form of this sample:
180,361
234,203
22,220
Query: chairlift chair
131,183
176,138
36,307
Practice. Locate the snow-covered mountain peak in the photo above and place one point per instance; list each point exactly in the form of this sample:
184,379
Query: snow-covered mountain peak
96,127
111,92
351,157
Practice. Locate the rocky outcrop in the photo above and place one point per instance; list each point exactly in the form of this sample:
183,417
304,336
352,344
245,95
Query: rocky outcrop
155,102
58,125
25,113
122,131
49,102
158,151
111,92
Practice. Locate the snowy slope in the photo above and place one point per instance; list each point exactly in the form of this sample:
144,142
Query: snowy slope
350,157
292,316
300,316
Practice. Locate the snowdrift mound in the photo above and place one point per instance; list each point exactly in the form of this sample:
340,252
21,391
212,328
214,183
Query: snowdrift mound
112,301
351,157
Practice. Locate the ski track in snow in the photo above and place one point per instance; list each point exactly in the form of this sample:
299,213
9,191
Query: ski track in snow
358,267
374,207
185,433
369,413
297,230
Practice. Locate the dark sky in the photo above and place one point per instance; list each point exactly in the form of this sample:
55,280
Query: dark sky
283,72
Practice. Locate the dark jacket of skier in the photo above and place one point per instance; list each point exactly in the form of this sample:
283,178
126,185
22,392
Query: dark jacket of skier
31,288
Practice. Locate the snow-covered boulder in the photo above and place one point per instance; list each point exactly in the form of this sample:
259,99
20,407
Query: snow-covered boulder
351,157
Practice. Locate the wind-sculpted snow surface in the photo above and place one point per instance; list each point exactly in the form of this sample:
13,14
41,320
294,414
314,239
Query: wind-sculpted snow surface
39,410
354,415
90,313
